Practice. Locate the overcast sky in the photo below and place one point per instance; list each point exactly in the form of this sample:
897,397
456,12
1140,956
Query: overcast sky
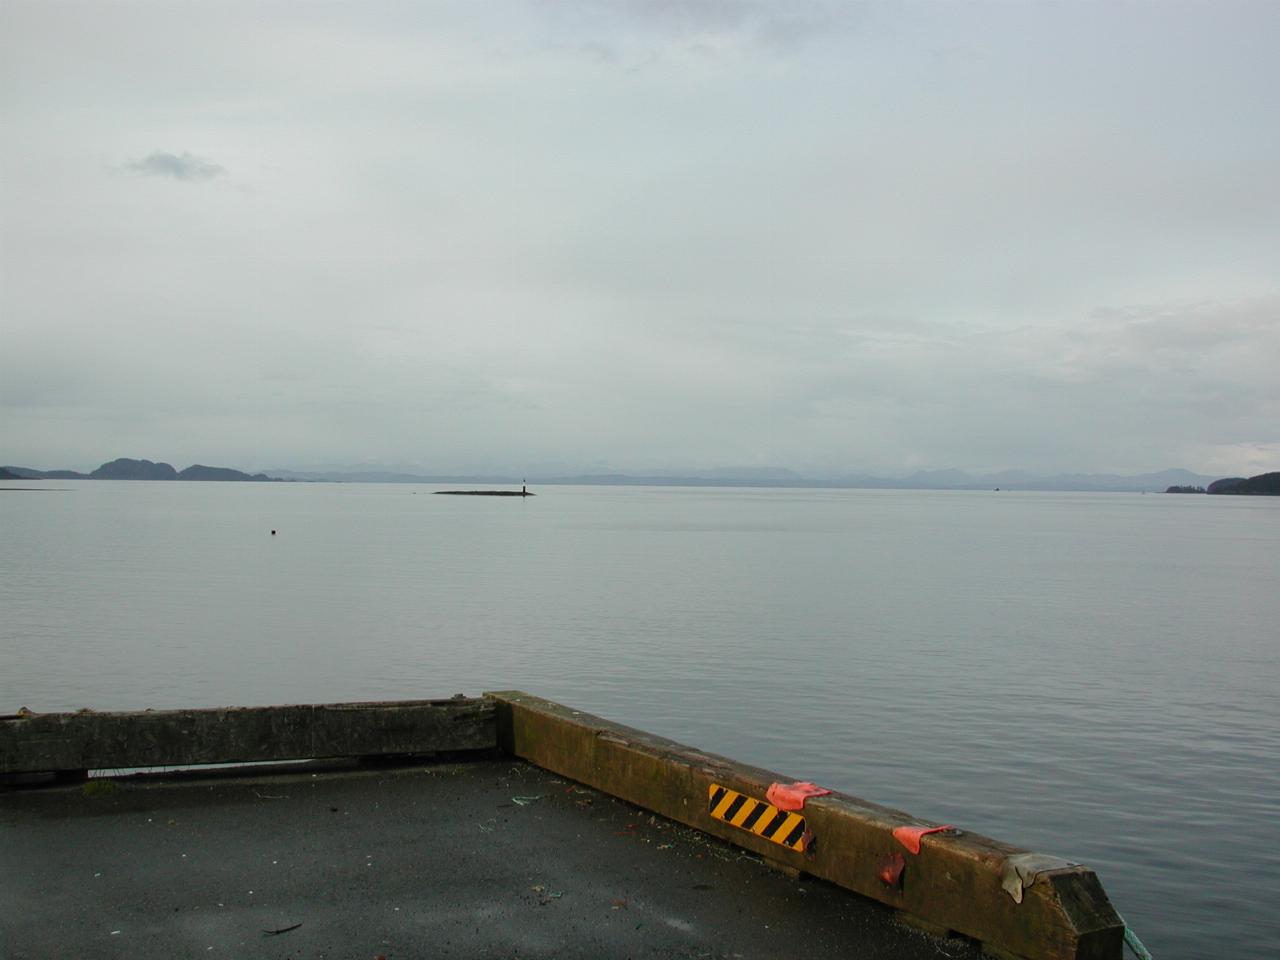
626,235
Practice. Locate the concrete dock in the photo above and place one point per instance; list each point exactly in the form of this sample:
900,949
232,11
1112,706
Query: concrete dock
486,858
537,830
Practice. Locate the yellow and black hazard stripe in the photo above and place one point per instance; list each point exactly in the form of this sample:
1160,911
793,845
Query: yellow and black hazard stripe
762,819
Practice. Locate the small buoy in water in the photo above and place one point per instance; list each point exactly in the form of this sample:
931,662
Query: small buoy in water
273,533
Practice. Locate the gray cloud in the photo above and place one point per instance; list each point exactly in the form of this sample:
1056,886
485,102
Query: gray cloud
179,166
485,240
652,28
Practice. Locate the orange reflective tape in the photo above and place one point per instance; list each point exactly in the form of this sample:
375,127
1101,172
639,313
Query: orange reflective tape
909,837
791,796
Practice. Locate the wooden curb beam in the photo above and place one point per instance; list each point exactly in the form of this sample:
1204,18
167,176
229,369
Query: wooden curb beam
71,742
955,884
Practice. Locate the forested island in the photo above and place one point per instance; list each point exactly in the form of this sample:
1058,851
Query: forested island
1263,485
127,469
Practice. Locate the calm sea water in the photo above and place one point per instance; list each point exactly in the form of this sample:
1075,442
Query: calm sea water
1089,675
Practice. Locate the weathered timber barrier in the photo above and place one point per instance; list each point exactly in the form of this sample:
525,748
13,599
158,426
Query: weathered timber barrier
70,742
962,883
1016,903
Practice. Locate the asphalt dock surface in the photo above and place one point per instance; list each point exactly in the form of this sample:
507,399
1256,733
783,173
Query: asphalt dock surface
484,858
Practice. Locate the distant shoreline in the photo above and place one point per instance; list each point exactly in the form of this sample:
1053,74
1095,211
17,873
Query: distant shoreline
1172,480
1263,485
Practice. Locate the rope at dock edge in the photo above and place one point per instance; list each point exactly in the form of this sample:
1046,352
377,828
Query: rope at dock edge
1133,943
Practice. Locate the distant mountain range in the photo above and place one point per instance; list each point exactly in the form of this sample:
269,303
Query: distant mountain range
128,469
731,477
